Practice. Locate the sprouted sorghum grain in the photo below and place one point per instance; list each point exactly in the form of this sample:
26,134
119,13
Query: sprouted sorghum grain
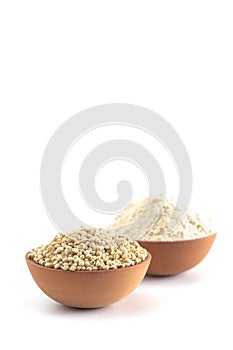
157,219
89,249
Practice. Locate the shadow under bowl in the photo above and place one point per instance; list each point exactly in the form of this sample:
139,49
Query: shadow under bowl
88,289
170,258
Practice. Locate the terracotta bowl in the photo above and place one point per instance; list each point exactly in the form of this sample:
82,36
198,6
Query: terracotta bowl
170,258
88,289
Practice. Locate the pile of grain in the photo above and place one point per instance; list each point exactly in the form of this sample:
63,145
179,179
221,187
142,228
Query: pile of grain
89,249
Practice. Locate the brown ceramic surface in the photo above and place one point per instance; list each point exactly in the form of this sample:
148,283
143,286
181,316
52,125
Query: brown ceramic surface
170,258
88,289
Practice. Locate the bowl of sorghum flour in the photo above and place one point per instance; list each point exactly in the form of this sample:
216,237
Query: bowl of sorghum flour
88,268
176,242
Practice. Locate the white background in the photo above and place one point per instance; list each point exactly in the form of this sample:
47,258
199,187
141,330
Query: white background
60,57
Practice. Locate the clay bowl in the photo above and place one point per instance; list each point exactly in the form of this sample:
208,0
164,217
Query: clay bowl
88,289
170,258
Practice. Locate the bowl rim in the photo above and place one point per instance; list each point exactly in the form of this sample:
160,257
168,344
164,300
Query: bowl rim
145,261
212,235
